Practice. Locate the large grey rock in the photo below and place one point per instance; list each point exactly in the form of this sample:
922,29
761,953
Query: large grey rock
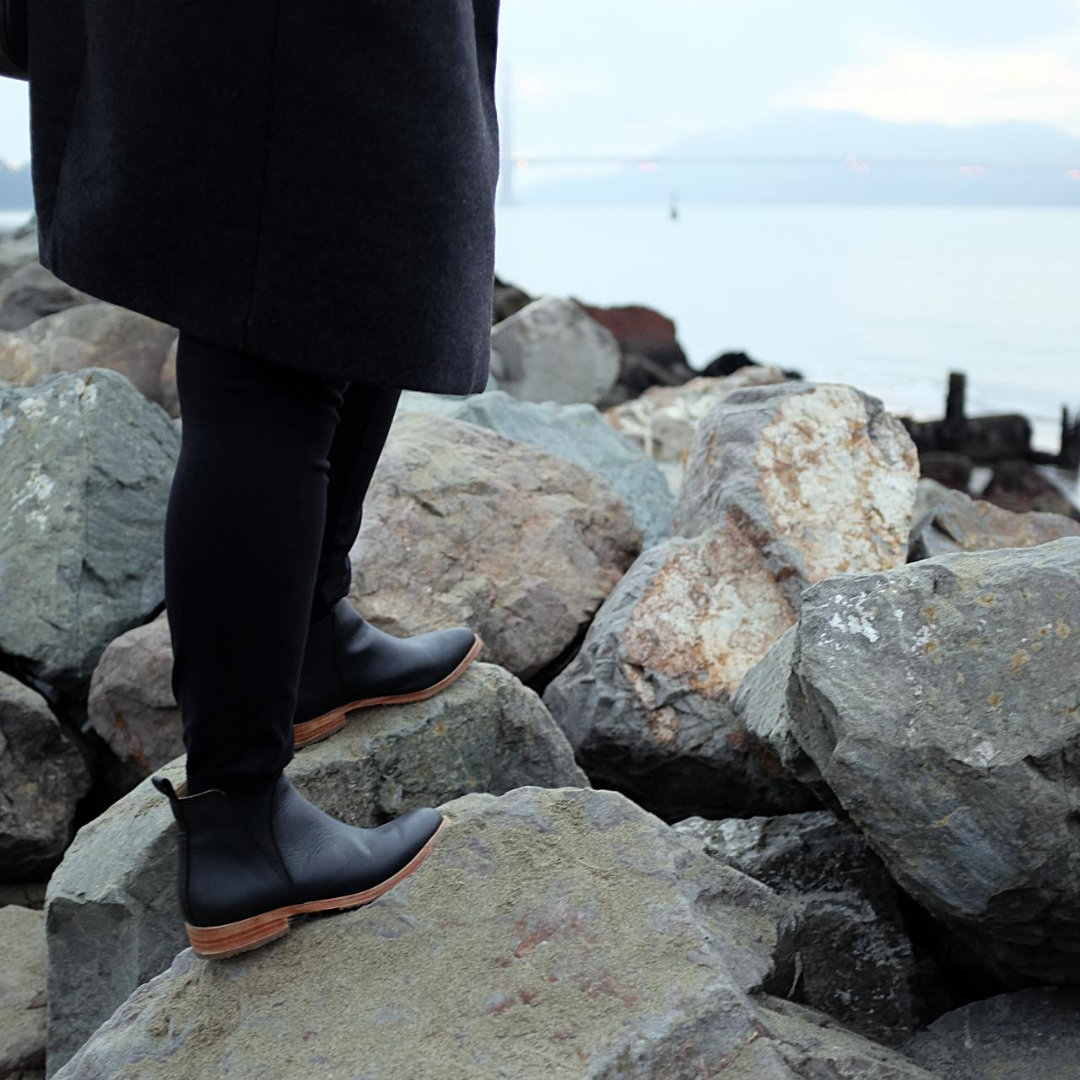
463,525
958,522
42,777
112,914
31,292
92,334
647,700
1029,1035
821,477
856,961
940,703
17,250
551,350
22,991
131,703
579,433
550,933
85,468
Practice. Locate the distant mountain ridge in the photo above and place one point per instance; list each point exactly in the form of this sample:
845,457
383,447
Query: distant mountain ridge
837,157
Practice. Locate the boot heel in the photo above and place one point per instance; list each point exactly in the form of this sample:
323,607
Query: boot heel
237,937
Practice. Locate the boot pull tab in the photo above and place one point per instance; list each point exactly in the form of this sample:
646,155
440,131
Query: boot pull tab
164,785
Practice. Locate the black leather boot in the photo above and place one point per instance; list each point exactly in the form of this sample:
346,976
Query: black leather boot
251,859
349,664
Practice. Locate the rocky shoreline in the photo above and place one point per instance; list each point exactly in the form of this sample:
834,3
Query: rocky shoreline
769,767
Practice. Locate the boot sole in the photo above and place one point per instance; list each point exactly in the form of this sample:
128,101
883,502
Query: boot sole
322,727
238,937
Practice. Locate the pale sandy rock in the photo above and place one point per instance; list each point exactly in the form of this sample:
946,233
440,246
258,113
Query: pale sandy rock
647,701
94,334
551,350
465,526
551,932
662,420
820,477
112,912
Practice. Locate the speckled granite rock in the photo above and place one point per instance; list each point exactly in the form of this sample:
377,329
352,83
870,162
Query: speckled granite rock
86,463
940,703
856,961
113,920
820,477
550,932
647,700
463,525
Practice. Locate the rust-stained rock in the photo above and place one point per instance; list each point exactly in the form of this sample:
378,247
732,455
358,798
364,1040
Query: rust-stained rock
646,702
662,421
960,523
465,526
131,704
820,477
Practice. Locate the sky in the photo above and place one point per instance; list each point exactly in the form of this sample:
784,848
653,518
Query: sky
611,77
584,76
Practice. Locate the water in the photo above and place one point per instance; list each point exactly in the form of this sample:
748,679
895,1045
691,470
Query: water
888,299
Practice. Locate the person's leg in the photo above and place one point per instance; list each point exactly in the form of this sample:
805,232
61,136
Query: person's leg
366,415
243,531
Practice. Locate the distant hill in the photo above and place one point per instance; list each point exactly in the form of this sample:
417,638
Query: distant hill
823,157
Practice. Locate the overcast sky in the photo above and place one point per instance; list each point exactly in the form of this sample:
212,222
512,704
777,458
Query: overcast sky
611,76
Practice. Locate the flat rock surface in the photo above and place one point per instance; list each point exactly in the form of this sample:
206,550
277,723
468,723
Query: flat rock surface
22,991
113,919
550,932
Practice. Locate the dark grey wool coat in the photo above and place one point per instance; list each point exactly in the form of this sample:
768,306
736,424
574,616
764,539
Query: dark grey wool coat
311,181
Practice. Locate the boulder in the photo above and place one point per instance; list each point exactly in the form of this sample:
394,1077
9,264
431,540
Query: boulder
42,777
662,421
16,250
940,704
551,932
820,477
465,526
928,493
31,292
551,350
647,700
131,703
1023,487
113,920
1029,1035
86,463
960,523
856,962
22,992
578,433
94,334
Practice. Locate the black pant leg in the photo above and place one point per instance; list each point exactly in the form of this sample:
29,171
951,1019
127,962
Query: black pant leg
366,415
243,531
